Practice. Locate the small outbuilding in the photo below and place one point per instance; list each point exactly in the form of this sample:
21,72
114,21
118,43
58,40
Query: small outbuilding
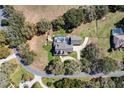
118,38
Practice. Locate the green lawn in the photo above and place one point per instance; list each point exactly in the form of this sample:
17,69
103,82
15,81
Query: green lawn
60,32
48,48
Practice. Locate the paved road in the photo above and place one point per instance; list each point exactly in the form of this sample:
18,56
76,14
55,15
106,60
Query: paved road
79,48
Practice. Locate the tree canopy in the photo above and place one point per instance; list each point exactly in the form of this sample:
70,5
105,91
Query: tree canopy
43,26
26,55
69,67
73,18
4,52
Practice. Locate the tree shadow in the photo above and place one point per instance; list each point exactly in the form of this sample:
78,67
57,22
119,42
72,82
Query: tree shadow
120,24
111,42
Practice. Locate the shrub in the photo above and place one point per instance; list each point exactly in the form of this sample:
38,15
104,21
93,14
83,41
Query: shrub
36,85
4,22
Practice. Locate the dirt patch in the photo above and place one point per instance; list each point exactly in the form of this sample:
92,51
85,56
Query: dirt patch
41,58
34,13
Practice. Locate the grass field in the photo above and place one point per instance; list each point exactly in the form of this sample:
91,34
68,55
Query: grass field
34,13
41,58
48,48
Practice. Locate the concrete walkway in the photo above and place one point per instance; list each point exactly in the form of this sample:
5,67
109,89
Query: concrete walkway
64,58
78,49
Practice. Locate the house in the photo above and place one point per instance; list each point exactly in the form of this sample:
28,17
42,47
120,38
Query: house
63,45
118,38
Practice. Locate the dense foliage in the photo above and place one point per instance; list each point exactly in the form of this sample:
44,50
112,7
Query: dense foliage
18,31
4,80
16,26
104,65
113,82
67,68
73,18
43,26
114,8
94,12
92,61
2,37
4,22
58,24
29,30
6,69
4,51
93,83
25,54
72,67
91,52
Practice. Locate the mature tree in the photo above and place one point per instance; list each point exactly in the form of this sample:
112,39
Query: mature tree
43,26
90,52
101,11
8,68
4,52
119,81
120,8
89,13
29,30
4,80
72,67
73,18
58,24
112,8
107,83
26,55
2,37
55,67
16,26
104,65
85,65
58,68
94,12
4,22
69,83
